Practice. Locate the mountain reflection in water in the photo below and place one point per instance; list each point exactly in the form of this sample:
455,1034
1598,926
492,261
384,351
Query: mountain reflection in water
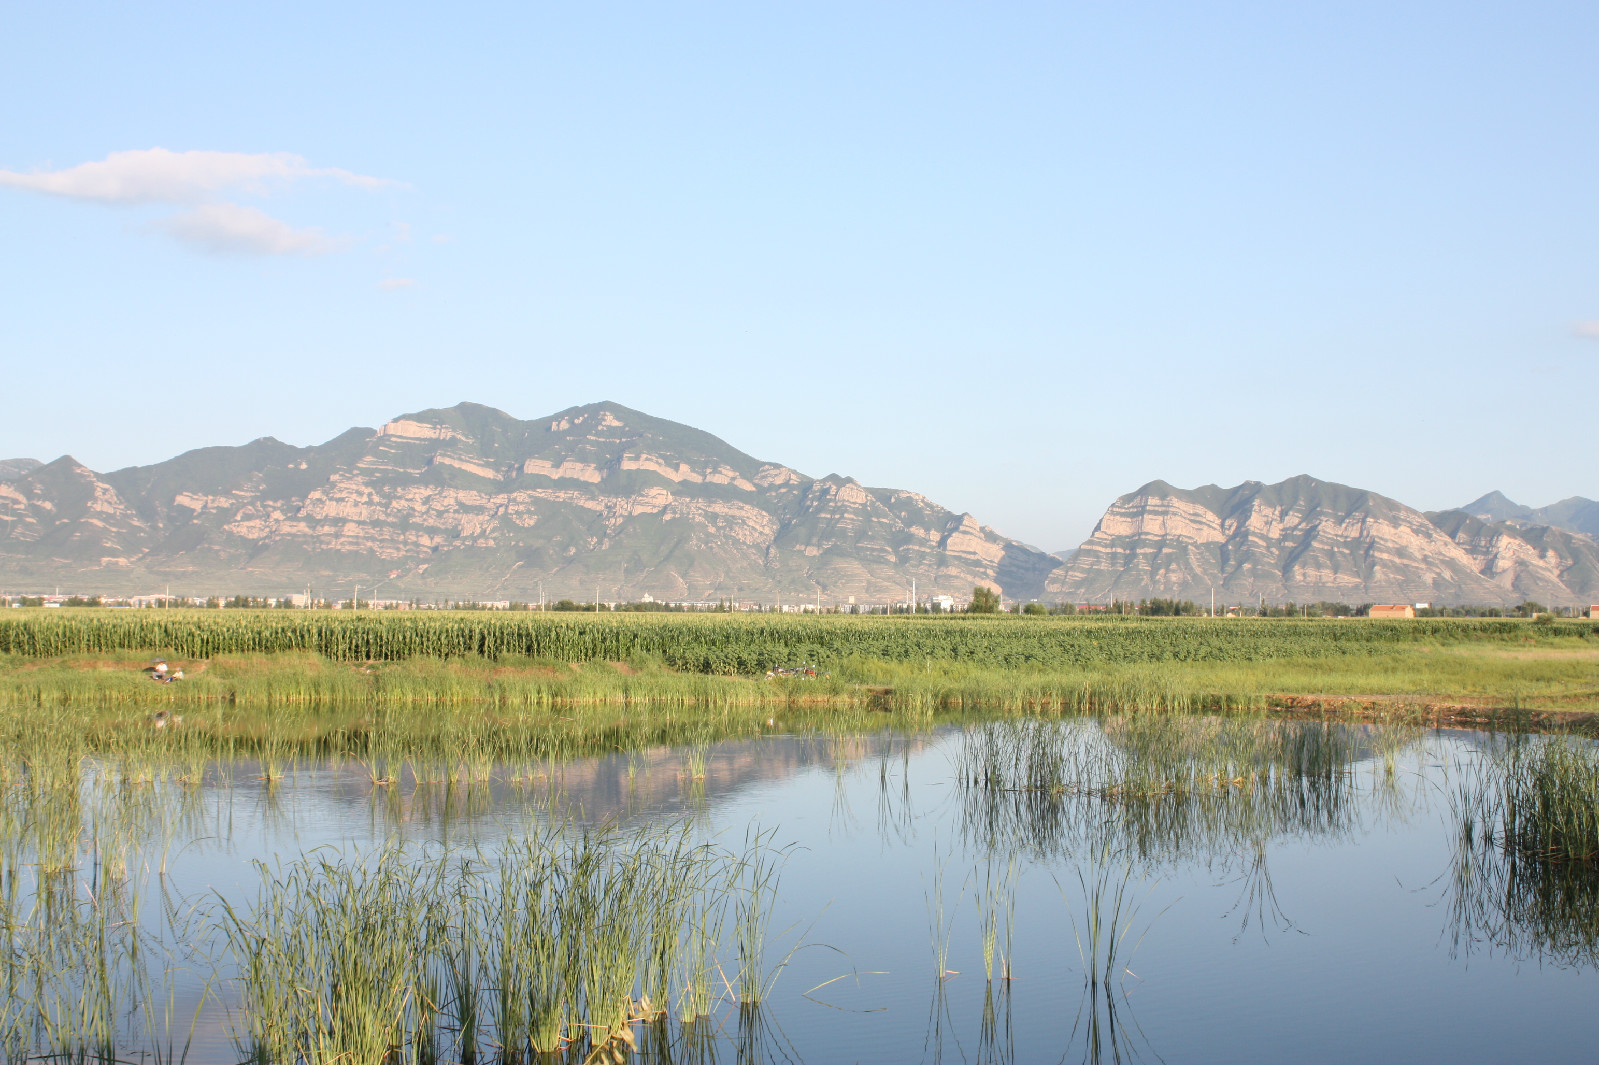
1125,887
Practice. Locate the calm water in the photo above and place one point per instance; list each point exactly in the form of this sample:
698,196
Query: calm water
1322,915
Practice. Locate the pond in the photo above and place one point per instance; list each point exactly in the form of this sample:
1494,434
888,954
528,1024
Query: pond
1147,887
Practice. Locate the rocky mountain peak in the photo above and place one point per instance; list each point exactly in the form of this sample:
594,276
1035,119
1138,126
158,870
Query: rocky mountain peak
1495,506
1307,539
1574,514
470,501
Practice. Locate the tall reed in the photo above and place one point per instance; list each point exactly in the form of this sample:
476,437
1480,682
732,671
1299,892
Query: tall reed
564,938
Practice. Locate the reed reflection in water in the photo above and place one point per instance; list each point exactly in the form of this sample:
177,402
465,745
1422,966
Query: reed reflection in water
1524,877
109,959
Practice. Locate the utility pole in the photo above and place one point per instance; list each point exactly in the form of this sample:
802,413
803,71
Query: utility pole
913,595
1213,600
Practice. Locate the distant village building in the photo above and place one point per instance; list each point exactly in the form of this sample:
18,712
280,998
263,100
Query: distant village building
1593,613
944,603
1403,610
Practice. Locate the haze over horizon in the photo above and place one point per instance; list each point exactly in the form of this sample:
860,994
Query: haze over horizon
1021,261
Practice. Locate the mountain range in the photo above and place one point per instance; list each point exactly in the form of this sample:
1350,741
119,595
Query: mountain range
468,502
1573,515
1309,540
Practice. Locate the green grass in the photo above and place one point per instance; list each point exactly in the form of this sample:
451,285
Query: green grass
639,681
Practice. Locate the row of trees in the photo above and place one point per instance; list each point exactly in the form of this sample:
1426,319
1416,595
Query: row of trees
985,601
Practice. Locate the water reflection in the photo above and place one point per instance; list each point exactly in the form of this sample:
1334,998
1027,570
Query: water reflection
1161,788
1524,872
107,956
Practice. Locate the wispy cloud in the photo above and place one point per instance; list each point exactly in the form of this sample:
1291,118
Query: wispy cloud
390,284
1587,329
197,181
157,175
234,229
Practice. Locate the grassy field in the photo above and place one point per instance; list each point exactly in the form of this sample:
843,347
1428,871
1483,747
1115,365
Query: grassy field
526,687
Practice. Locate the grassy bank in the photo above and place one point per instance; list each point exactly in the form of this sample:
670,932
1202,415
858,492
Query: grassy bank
516,708
631,682
1556,674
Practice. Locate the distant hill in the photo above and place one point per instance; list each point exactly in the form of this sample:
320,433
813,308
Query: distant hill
1309,540
1575,514
469,502
11,469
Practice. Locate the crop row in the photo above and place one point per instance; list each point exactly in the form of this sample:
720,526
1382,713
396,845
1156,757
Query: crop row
737,644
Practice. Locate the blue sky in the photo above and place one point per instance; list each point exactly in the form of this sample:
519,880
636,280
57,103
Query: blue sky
1020,258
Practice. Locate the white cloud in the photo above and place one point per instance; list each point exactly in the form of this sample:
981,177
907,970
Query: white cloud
157,175
232,228
1587,329
389,284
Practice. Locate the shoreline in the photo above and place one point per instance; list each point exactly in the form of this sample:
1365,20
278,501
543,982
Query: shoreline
520,707
1439,714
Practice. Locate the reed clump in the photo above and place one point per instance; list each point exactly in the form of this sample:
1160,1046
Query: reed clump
1551,800
561,941
1525,869
1157,785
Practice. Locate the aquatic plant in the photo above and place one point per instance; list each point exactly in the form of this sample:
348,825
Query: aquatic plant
1524,873
574,937
1156,785
995,894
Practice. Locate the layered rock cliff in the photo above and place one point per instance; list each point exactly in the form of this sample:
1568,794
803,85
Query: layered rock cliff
471,502
1540,562
1309,540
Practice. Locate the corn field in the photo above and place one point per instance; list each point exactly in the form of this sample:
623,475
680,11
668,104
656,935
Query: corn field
738,644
